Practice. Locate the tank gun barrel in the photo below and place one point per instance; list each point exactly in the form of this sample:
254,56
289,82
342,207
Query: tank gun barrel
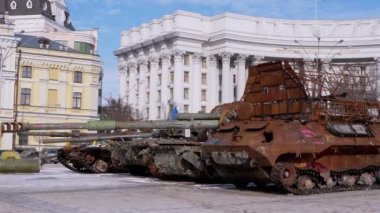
111,125
198,116
95,138
56,134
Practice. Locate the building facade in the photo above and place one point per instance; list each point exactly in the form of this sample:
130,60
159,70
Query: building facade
56,68
8,43
196,62
50,19
56,84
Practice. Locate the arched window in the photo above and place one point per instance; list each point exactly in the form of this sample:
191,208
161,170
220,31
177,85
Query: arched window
13,5
29,4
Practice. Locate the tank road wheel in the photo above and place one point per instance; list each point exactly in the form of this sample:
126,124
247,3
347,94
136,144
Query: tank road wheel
284,174
101,166
155,171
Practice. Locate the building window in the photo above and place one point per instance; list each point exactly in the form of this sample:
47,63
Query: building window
23,140
160,64
186,93
186,59
13,5
78,76
204,78
204,95
186,108
148,82
171,94
52,97
77,98
235,93
159,96
186,77
234,79
204,63
220,96
84,47
53,74
63,42
27,72
171,77
29,4
220,80
203,108
25,96
158,112
147,98
159,80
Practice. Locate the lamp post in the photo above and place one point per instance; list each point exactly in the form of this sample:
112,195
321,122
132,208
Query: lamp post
15,110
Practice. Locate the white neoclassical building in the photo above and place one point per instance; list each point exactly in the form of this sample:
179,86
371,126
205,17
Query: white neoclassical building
195,62
8,43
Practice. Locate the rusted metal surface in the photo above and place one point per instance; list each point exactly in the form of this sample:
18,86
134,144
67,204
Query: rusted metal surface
304,132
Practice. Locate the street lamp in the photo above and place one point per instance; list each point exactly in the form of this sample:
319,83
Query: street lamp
17,81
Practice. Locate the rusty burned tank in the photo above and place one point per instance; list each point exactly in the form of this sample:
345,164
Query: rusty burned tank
304,141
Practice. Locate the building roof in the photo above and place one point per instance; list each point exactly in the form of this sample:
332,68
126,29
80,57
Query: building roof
39,42
34,7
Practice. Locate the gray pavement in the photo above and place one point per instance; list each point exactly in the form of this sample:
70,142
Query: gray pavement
57,189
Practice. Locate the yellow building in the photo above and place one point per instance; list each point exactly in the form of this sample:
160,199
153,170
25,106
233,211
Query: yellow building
55,84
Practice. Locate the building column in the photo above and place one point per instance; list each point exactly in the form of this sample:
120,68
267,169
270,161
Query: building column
227,89
178,78
196,83
143,67
165,96
212,82
131,94
123,81
241,75
153,60
378,79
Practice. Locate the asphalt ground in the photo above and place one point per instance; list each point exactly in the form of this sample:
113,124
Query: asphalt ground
57,189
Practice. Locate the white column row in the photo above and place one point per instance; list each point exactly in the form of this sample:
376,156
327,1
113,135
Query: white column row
154,103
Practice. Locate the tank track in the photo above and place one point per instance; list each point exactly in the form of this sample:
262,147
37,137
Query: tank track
66,162
319,188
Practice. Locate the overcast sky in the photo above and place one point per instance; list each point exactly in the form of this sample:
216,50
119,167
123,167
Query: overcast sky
113,16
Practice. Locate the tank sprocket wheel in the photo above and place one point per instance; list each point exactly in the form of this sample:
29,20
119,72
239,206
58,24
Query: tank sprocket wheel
101,166
284,174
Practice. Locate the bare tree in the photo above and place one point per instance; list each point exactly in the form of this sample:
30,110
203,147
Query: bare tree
115,109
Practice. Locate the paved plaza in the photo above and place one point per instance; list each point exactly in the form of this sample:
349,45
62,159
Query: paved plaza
57,189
